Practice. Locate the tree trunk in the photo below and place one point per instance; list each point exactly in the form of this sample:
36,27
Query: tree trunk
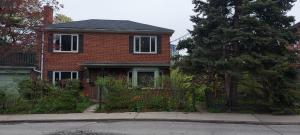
228,90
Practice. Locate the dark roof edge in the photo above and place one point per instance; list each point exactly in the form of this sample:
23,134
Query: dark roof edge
108,30
125,65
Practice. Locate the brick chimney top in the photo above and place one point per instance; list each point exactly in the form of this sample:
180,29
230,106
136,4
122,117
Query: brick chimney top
47,15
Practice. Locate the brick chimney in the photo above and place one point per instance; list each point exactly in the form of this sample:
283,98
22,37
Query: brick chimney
47,15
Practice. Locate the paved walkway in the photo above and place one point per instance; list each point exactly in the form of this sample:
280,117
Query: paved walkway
91,109
156,116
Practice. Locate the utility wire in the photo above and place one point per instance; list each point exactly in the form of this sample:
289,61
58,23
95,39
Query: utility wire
185,35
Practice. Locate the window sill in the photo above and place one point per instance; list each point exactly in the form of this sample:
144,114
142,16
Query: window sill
145,53
65,52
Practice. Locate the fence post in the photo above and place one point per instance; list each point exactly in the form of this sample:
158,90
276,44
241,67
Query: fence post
100,96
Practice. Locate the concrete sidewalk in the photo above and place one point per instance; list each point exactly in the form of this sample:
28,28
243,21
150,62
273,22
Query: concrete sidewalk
231,118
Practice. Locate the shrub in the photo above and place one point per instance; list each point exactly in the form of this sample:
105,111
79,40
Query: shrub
58,101
116,94
253,95
41,97
186,93
61,100
34,90
82,104
20,106
2,101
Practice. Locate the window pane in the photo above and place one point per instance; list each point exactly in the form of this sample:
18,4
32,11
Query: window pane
145,44
56,42
74,43
74,75
66,43
153,43
56,76
65,75
137,44
145,79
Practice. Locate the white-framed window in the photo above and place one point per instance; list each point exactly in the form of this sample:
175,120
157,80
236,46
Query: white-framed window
66,43
145,44
64,75
145,78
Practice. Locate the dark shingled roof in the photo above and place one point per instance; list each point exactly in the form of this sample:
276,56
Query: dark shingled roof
94,25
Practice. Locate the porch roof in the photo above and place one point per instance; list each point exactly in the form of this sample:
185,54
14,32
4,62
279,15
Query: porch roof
123,65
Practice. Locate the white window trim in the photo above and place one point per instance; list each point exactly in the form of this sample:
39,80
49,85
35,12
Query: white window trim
139,52
53,75
135,71
60,51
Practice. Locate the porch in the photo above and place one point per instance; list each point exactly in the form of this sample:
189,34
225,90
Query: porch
136,74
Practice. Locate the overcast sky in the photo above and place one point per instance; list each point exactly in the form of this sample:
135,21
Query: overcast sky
172,14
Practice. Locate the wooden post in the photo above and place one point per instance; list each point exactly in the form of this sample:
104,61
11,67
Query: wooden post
100,96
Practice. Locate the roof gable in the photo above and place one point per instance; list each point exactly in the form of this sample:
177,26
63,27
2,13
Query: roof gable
95,25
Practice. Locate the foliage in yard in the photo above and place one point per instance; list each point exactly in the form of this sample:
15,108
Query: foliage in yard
181,95
41,97
240,48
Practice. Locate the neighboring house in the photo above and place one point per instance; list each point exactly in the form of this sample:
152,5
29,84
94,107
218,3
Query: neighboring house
174,51
15,65
296,47
88,49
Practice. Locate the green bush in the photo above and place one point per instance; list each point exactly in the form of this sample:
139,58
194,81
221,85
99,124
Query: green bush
3,101
58,101
117,96
41,97
34,89
82,104
62,100
20,106
253,95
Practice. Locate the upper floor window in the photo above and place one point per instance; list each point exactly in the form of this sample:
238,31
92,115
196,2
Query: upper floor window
145,44
66,42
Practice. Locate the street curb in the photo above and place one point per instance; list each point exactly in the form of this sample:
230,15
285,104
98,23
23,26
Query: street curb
156,120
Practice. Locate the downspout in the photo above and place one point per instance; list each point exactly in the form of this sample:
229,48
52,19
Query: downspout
42,58
35,70
42,55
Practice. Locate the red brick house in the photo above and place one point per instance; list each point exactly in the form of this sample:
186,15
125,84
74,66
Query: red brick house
88,49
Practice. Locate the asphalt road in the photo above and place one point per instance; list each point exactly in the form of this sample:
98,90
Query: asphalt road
145,128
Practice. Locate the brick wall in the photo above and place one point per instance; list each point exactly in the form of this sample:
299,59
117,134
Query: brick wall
101,47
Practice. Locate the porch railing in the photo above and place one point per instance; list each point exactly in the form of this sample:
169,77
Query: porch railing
18,59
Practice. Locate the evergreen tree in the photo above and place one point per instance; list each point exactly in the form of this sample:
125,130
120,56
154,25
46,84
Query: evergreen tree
237,39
